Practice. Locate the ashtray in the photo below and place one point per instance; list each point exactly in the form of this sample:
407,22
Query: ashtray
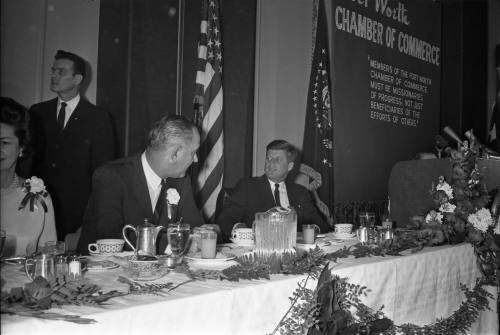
153,273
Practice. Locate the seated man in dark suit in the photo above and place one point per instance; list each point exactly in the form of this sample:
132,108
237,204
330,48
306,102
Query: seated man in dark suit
129,190
258,194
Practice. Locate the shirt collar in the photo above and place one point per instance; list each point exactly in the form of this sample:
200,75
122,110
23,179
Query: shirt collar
151,177
272,183
70,104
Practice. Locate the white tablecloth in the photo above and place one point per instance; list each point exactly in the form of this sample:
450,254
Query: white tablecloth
415,288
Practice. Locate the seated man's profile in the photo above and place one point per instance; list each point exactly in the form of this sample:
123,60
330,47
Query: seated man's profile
132,189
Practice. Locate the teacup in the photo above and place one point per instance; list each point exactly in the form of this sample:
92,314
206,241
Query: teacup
106,246
343,228
242,236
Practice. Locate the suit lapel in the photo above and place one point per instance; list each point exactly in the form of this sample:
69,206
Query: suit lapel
75,117
51,118
139,186
291,196
266,192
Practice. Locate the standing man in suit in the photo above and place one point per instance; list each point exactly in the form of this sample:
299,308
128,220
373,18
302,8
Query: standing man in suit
258,194
71,138
129,190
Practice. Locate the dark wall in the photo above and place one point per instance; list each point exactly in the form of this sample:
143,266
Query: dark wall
138,66
464,69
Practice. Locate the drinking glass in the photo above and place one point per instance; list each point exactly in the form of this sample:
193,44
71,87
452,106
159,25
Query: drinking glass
178,237
208,244
309,233
367,219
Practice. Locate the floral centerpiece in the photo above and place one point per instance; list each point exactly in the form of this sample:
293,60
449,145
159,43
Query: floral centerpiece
461,211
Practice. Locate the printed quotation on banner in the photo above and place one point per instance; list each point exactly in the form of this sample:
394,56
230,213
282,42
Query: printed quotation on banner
396,95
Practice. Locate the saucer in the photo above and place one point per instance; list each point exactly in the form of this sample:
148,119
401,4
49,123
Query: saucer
219,258
342,236
243,243
101,265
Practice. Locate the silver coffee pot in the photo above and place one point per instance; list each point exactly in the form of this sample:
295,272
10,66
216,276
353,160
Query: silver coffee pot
146,235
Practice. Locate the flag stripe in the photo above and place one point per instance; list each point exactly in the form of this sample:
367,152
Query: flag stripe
209,113
211,139
211,203
212,173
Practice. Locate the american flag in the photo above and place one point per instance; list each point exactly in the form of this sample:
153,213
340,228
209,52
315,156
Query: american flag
318,133
208,109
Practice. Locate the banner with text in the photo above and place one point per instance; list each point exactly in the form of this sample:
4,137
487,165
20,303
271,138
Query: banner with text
386,89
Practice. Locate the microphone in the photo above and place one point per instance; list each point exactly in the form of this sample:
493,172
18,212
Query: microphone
452,134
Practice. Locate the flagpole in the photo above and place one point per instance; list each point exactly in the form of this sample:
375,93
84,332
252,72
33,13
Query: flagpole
180,60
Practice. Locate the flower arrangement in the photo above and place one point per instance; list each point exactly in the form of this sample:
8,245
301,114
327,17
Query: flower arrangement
460,212
34,188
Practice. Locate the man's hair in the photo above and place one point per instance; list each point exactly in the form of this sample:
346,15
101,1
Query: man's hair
15,115
78,62
170,130
290,150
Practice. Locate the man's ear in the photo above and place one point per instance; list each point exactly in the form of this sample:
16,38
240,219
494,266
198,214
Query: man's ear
176,153
79,79
290,166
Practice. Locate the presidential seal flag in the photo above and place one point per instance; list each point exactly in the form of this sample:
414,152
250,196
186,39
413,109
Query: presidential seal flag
318,132
208,109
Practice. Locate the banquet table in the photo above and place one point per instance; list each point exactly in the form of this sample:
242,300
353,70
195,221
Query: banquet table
416,288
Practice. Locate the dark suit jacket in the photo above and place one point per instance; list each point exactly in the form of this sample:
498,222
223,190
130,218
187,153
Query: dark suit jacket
120,197
66,159
253,195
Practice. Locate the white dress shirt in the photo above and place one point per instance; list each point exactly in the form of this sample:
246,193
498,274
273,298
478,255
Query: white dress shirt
70,107
153,181
283,194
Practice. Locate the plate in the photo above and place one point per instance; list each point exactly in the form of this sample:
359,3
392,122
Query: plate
219,258
305,246
101,265
343,236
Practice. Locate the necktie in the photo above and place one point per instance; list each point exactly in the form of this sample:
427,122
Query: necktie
277,194
61,116
160,203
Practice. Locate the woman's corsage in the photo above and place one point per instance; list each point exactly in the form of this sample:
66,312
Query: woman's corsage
35,191
173,198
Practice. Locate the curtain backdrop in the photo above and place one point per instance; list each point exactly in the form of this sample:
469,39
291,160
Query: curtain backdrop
137,71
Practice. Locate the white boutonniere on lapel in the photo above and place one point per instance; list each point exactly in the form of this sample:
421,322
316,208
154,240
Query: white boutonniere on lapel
173,198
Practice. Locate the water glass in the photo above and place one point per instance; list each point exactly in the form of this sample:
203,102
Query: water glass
40,265
178,238
208,244
367,219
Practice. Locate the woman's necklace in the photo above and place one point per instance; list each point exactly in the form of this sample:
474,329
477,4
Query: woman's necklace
14,183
